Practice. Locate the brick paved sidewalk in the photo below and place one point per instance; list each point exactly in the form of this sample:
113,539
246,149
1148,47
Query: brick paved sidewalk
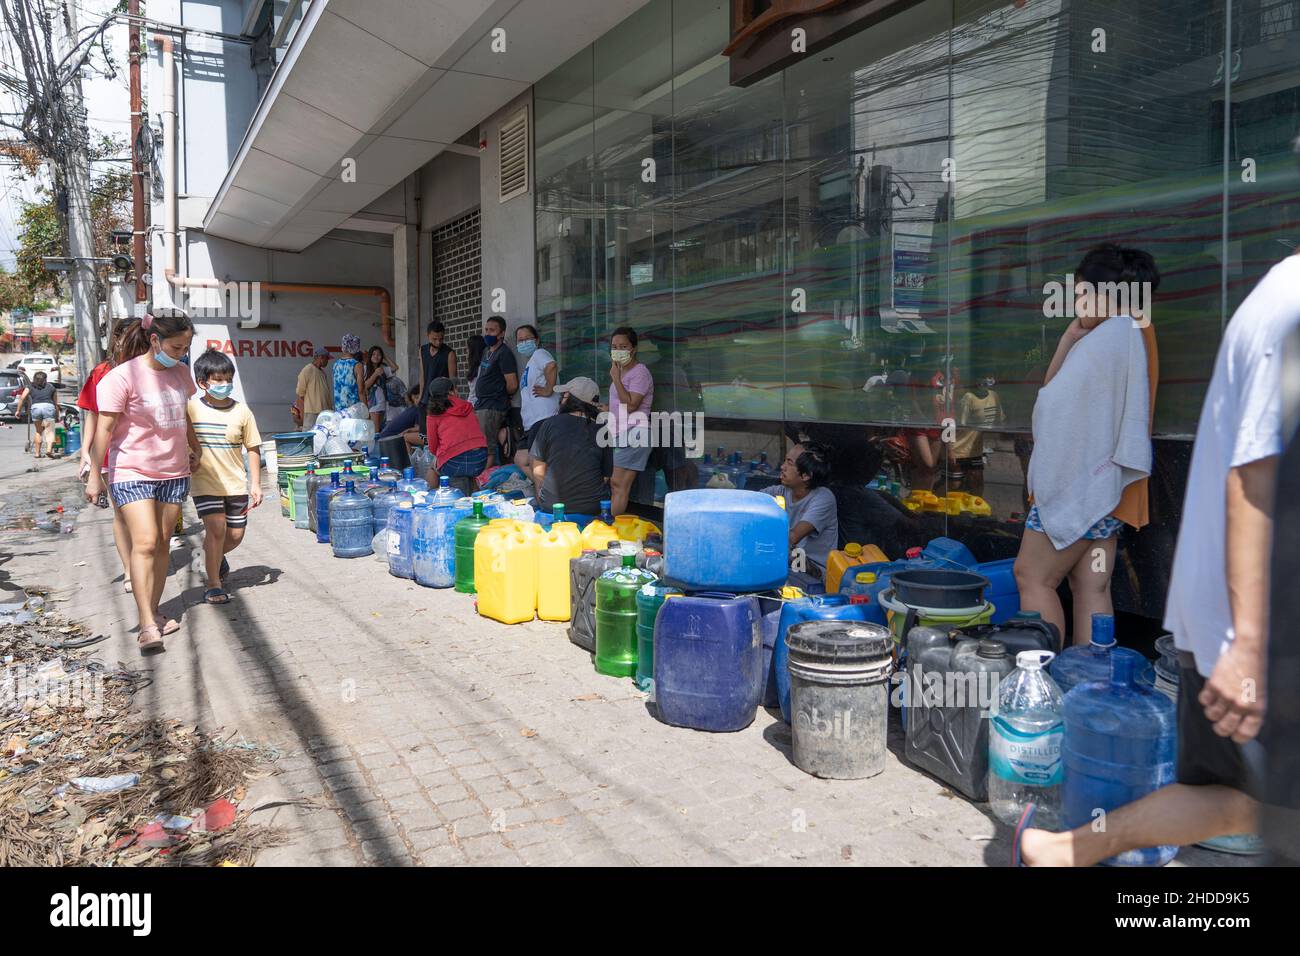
428,735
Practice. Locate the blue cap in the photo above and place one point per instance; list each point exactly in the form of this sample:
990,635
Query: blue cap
350,487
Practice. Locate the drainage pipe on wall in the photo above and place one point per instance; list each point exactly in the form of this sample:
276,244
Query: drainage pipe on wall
170,199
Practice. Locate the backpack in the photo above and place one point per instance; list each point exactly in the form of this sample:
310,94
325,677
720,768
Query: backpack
394,390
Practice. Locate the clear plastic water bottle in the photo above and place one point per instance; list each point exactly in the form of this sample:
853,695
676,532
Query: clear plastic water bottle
1025,744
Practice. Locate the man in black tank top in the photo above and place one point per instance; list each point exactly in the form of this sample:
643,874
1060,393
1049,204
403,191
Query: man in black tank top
437,359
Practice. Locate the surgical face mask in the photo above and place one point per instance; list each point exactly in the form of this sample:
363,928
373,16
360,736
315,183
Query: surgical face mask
620,356
221,389
489,340
163,359
527,347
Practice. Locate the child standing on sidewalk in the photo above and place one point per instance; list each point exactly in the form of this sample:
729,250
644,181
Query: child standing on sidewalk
223,493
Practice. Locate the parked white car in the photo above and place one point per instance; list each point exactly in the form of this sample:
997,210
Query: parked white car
34,362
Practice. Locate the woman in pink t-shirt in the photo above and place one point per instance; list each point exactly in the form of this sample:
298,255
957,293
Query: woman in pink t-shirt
151,446
631,392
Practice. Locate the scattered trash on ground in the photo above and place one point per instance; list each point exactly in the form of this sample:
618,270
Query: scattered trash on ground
51,509
84,781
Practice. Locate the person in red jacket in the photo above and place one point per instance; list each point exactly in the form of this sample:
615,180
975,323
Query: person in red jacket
454,436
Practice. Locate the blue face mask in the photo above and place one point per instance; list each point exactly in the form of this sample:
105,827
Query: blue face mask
489,340
527,347
221,390
165,360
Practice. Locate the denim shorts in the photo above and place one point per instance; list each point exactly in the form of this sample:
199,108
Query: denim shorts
170,491
43,412
467,463
1107,527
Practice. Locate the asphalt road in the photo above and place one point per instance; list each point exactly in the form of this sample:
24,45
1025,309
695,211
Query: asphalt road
13,460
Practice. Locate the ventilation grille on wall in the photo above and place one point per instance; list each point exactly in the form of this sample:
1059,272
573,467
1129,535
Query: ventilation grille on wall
513,157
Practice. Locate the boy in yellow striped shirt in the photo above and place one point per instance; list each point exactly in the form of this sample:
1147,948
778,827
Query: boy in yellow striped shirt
223,492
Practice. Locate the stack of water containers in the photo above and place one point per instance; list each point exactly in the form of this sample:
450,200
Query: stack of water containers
1109,742
939,553
720,546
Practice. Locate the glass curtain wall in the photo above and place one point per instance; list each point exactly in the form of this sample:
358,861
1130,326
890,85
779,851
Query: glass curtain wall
855,249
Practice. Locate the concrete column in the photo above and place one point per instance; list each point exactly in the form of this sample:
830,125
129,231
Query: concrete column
406,301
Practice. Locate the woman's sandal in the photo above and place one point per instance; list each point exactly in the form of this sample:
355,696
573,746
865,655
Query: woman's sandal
216,596
167,625
126,585
1026,822
149,639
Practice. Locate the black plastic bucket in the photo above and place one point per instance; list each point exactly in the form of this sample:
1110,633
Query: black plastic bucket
395,450
933,588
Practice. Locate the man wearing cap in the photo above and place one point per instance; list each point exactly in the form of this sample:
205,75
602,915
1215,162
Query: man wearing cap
569,465
314,395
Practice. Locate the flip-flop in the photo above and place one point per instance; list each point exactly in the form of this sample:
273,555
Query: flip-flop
126,585
149,639
221,593
168,625
225,569
1026,822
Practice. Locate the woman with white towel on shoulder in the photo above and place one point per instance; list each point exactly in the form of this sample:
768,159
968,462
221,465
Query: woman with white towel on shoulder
1092,440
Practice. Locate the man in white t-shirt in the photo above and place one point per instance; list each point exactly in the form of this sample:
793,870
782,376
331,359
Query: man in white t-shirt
538,399
1217,607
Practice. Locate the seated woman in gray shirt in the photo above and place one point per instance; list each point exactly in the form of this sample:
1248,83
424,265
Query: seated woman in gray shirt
814,524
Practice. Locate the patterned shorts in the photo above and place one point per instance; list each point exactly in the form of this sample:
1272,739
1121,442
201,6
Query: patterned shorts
234,507
171,491
1107,527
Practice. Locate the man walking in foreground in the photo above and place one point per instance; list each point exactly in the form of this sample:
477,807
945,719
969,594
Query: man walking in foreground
1219,622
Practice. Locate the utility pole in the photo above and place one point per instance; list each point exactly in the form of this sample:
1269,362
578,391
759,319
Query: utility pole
53,123
137,167
81,241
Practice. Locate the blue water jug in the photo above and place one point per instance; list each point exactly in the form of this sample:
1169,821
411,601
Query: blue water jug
864,588
323,495
1082,663
411,484
708,665
882,570
818,607
725,540
948,553
387,472
434,545
401,556
445,493
1120,744
386,500
351,524
1002,592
